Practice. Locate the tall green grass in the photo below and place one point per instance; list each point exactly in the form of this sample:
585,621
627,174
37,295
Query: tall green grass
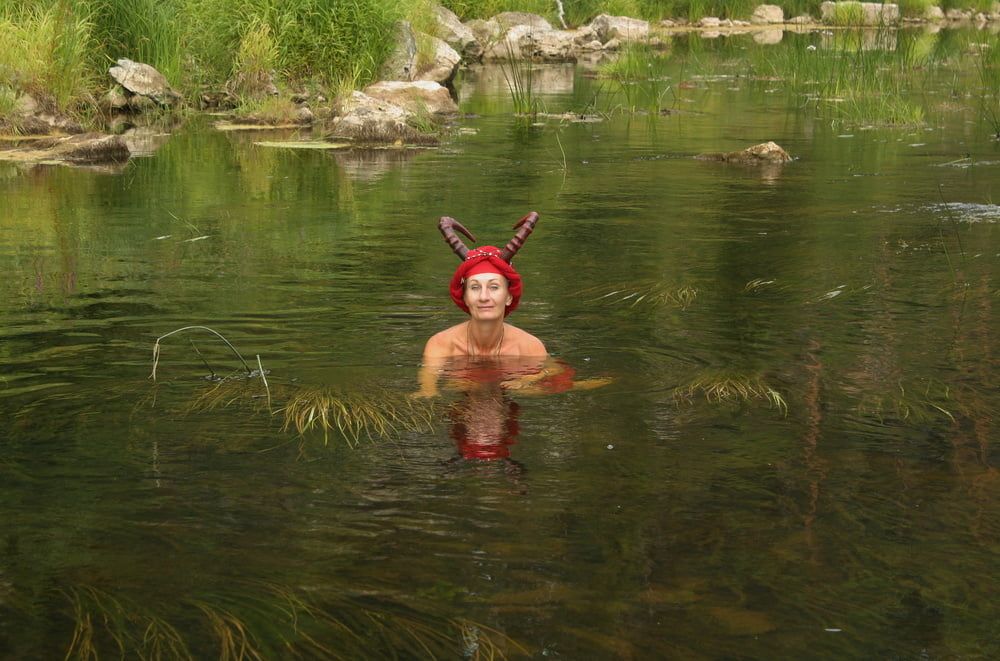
44,51
857,76
988,65
634,80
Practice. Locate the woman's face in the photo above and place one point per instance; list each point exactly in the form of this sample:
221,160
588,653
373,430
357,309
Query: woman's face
487,296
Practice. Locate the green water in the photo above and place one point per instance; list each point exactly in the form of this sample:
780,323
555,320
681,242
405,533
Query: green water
644,519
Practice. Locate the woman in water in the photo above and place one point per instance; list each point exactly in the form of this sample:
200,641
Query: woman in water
487,288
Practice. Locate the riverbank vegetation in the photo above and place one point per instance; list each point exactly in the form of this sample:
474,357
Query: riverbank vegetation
58,51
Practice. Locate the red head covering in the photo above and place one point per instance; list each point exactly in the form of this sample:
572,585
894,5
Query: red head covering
485,259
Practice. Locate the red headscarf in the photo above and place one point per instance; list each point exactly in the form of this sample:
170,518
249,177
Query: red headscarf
485,259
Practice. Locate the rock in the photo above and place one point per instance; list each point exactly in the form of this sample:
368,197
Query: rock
709,22
766,152
621,28
402,61
612,45
486,32
934,13
510,19
667,23
767,15
365,119
90,148
804,19
551,45
458,36
304,115
866,13
115,98
252,84
143,80
414,96
957,15
25,105
516,44
443,63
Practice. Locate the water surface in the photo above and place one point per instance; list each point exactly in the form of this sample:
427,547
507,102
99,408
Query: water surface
839,499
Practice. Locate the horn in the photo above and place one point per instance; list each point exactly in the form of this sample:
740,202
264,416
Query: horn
524,228
448,225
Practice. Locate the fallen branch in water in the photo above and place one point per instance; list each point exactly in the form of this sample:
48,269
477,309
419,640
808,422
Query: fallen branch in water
156,347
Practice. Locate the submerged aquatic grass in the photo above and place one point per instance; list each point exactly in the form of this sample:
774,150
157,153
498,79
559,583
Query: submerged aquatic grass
355,415
652,293
721,386
266,621
910,402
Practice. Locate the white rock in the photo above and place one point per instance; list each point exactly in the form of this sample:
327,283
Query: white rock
767,15
414,96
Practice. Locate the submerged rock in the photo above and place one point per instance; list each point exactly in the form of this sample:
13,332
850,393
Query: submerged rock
766,152
80,149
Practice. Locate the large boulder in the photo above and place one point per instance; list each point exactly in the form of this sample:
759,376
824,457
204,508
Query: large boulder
515,44
414,96
766,152
442,65
621,28
142,80
767,15
550,45
457,35
365,119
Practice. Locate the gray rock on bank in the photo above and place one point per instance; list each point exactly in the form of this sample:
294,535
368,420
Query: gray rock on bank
142,80
367,120
458,35
416,96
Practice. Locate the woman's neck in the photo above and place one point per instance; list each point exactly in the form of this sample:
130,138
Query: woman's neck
485,338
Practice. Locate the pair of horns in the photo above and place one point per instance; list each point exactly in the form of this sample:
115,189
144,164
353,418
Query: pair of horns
524,227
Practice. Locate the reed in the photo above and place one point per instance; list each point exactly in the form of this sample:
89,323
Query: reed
633,75
855,76
520,78
988,67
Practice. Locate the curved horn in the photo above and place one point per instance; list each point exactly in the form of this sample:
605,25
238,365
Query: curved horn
448,225
527,226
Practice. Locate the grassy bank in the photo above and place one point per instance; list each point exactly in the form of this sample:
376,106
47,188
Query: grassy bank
58,51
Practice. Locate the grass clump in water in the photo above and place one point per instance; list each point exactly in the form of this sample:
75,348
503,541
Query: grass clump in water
355,415
633,76
653,293
718,387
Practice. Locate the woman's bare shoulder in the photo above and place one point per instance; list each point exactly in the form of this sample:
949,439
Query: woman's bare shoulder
527,344
442,343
